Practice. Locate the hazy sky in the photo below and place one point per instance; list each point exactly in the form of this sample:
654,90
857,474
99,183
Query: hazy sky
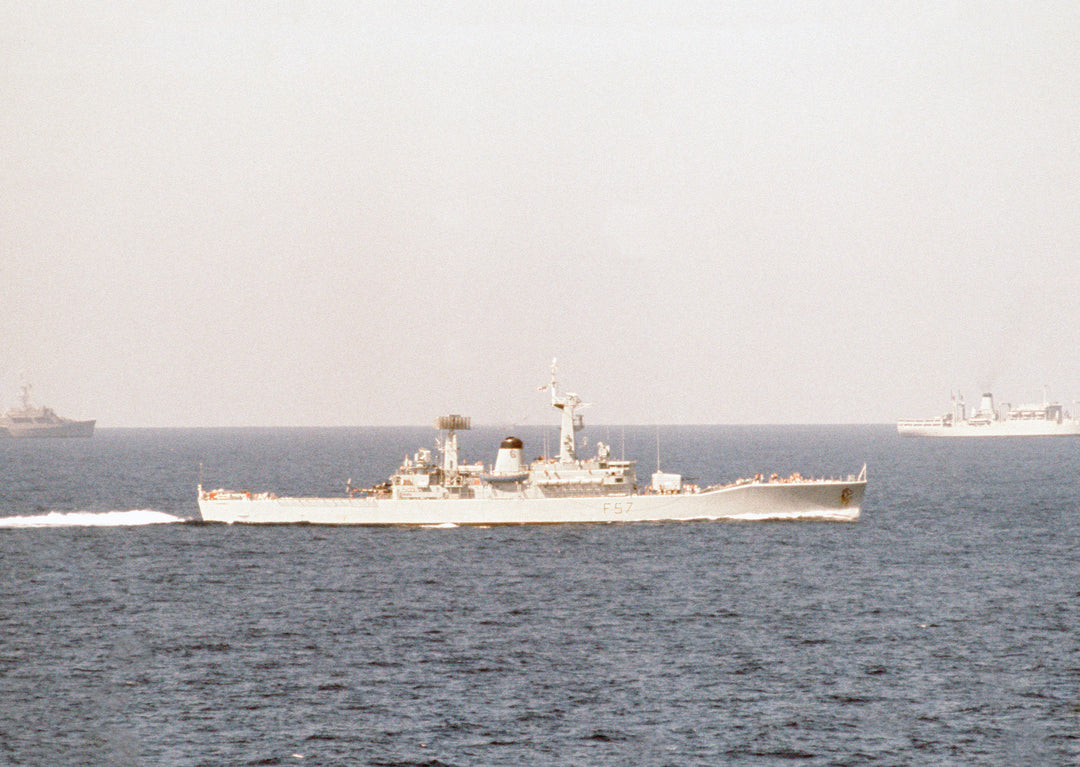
340,213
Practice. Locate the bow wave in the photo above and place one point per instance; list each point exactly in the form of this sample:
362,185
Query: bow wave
133,518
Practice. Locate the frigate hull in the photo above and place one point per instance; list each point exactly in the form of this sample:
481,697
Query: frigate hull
838,500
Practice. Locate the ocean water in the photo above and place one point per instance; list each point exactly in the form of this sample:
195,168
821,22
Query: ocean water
942,628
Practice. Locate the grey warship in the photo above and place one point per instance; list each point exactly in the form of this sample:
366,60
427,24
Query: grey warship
429,492
31,421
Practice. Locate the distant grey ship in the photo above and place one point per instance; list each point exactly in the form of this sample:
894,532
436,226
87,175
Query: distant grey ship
1047,419
32,421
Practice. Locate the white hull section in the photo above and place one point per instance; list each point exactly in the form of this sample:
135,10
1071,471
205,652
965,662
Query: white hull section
992,429
808,499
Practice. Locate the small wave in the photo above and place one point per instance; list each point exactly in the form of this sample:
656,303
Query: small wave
132,518
794,516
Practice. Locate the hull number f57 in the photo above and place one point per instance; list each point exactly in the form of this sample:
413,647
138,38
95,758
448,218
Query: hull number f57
618,507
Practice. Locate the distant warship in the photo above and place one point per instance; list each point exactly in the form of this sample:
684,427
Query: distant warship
1048,419
32,421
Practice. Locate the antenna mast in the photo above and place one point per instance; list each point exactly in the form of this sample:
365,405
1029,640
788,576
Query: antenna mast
451,424
567,403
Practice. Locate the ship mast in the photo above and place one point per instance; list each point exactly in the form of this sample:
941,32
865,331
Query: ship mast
451,424
566,403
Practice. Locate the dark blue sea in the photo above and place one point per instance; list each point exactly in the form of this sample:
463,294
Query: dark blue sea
942,628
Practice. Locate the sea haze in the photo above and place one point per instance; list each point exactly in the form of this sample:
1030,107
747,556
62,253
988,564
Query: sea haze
941,628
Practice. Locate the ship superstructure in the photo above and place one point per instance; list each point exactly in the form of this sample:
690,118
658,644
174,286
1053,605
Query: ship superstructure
423,477
1045,419
29,420
426,490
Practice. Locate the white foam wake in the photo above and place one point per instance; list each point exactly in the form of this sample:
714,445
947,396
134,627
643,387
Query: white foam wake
92,519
